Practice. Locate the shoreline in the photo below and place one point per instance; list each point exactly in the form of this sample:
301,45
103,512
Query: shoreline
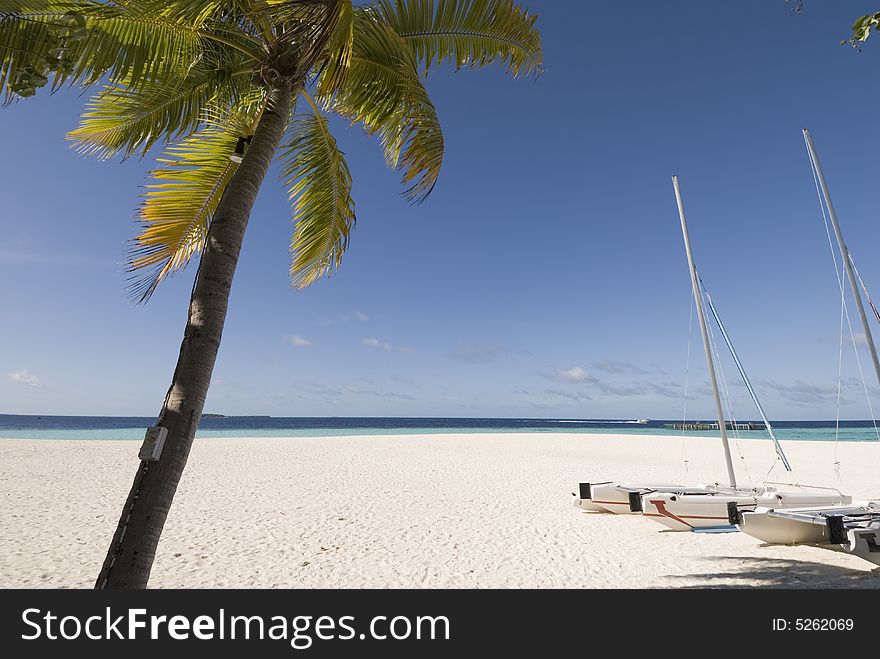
408,511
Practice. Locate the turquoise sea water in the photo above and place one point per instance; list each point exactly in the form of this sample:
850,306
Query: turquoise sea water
132,428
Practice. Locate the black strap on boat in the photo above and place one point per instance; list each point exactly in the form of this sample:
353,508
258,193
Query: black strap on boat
734,516
836,530
635,501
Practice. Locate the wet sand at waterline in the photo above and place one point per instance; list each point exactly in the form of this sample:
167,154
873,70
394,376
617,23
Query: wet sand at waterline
436,511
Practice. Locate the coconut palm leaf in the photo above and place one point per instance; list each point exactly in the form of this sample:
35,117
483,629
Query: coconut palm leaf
178,207
127,119
82,41
304,28
468,33
385,93
179,70
319,187
339,50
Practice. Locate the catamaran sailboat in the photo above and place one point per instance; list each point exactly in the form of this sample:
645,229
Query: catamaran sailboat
854,528
705,506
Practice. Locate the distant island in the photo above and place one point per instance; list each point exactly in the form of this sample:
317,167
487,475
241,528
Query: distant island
240,416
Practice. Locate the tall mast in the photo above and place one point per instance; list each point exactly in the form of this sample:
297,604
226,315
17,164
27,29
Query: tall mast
704,331
844,251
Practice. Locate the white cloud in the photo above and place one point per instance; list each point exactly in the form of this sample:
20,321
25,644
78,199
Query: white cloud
298,341
387,347
480,354
361,316
613,366
575,374
25,377
376,343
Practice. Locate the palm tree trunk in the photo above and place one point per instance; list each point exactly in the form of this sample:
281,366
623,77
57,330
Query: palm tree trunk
133,548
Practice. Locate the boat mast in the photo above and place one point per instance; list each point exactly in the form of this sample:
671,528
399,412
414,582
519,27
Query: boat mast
704,331
844,251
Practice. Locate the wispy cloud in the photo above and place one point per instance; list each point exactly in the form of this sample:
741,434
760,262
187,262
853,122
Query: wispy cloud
602,388
808,394
298,342
573,375
310,389
376,343
378,392
384,345
337,394
480,354
569,395
666,389
24,376
347,317
859,338
614,366
11,257
231,384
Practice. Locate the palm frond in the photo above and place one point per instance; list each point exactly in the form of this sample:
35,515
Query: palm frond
130,120
468,33
319,187
339,48
82,41
303,29
178,207
385,93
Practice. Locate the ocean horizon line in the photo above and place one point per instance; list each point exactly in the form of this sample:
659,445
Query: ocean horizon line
216,426
583,419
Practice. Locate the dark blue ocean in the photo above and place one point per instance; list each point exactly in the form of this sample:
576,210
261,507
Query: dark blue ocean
115,427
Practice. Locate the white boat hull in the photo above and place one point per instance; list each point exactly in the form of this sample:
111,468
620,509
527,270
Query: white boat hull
779,531
802,525
864,542
584,498
690,512
625,498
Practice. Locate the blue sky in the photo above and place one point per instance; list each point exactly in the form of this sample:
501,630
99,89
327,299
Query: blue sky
544,277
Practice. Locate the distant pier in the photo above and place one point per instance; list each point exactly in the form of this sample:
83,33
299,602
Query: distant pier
714,426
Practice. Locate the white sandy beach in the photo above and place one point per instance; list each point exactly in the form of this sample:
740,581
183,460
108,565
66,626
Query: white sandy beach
436,511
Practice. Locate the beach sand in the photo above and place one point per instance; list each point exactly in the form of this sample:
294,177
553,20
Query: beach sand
435,511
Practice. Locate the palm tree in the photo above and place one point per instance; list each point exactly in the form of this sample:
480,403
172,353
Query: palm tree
226,84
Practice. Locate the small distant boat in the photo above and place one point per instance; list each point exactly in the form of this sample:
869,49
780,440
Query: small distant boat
641,422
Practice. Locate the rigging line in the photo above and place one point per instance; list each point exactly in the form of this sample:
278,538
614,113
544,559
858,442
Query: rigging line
852,334
871,302
687,369
836,450
862,374
864,288
727,397
838,271
842,288
745,378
